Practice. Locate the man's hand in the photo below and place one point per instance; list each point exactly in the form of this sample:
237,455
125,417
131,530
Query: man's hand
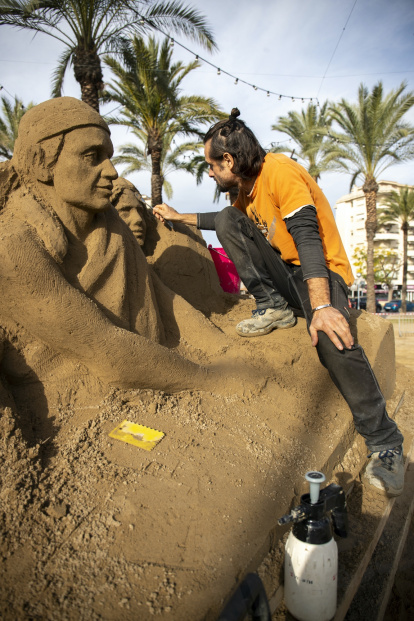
334,324
164,212
328,320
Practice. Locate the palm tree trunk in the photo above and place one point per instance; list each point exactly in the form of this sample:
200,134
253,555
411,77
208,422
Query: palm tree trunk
370,189
405,268
90,94
88,72
156,178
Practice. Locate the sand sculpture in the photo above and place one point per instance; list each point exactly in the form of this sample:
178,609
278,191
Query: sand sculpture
178,254
90,335
74,279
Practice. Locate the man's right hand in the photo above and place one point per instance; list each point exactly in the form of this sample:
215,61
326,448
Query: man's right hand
165,212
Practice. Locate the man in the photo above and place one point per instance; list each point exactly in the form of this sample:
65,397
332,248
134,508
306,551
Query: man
283,239
74,284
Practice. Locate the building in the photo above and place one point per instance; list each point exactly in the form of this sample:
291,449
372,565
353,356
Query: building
350,219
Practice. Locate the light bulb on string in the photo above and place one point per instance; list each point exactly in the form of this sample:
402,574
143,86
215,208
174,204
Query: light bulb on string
218,71
236,81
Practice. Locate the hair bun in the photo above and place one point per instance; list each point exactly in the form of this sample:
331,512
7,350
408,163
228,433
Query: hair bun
234,113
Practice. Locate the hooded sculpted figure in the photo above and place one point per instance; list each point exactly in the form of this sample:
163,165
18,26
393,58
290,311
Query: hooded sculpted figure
178,255
74,282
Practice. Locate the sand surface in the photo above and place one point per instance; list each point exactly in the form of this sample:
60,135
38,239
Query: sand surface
92,528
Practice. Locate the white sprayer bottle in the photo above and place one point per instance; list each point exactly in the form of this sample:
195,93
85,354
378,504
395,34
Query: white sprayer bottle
311,554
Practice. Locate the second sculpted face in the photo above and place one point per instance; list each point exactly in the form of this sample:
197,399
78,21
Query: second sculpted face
83,174
131,210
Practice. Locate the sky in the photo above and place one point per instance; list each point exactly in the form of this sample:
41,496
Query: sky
322,49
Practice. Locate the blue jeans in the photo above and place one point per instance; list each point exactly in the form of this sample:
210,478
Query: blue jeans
273,282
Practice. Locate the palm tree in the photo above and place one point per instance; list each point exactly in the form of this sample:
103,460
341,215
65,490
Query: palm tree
147,88
89,27
400,210
375,136
173,158
9,125
310,130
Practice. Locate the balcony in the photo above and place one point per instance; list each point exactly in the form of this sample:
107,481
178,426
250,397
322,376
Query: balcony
384,236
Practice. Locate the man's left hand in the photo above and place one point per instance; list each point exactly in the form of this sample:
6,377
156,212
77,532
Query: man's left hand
334,324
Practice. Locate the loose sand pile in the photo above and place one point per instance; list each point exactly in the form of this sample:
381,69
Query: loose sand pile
96,529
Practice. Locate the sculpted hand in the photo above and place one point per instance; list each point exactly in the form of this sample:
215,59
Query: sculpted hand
165,212
332,322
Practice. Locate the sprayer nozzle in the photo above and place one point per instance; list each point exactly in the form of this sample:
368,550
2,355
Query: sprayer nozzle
315,480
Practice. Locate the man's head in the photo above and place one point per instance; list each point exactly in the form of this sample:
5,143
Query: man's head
130,206
232,151
63,143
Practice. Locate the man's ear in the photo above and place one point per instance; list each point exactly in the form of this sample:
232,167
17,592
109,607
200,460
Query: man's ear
228,160
40,170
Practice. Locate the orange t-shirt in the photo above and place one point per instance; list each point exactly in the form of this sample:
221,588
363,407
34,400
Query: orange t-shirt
282,187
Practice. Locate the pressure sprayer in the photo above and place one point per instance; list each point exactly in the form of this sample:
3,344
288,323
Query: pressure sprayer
311,555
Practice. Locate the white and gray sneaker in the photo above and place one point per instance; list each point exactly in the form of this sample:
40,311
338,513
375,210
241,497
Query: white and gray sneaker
265,320
385,470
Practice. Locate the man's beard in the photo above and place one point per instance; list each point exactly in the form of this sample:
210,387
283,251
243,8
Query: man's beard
225,188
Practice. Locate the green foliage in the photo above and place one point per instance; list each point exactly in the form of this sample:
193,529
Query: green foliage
9,125
311,132
147,87
374,133
88,28
374,136
386,264
399,208
173,158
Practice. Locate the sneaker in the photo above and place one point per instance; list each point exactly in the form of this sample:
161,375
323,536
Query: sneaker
386,470
265,320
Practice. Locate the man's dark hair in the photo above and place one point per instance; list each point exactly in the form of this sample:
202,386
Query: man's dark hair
234,137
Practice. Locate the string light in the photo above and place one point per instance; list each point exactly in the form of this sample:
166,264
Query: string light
143,20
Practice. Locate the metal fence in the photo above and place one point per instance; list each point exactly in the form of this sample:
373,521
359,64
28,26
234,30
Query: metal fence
405,324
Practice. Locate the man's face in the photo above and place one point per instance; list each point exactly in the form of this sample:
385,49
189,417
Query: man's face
220,170
131,211
83,174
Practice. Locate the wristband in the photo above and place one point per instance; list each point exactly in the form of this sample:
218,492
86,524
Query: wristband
320,307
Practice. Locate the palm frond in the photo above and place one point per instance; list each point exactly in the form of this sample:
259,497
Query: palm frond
59,73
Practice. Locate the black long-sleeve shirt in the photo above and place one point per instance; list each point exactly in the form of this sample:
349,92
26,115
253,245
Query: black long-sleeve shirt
303,226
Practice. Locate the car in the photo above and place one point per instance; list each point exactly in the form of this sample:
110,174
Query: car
394,306
363,304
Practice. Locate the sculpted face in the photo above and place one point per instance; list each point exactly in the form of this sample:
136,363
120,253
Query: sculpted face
131,210
83,174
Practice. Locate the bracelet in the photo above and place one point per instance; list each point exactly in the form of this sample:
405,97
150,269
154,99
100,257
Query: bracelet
319,307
